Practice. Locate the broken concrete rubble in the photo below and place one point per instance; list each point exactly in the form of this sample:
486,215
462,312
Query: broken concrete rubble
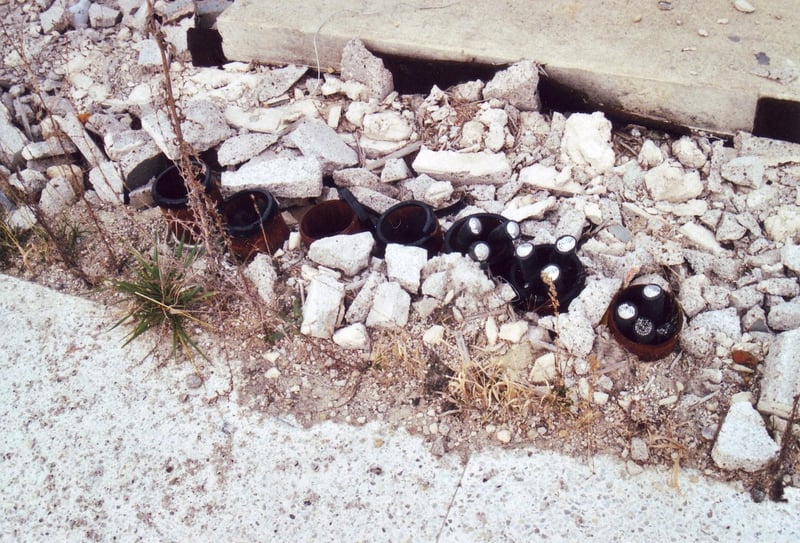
743,442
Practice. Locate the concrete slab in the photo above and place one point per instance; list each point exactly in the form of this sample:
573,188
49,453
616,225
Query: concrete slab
101,444
700,64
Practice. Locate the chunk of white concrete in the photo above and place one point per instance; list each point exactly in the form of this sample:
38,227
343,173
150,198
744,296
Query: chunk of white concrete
360,306
30,182
701,237
324,299
101,16
724,321
270,119
73,128
535,210
395,169
784,316
262,274
548,178
349,253
243,147
650,154
57,195
747,171
688,153
55,18
387,126
203,126
790,257
517,85
48,148
783,224
353,337
316,139
667,182
404,264
12,140
107,182
390,306
463,168
283,176
358,64
544,369
781,381
513,332
594,299
586,143
743,442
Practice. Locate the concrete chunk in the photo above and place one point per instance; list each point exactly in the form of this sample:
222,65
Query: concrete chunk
262,274
390,306
360,306
316,139
463,168
517,85
587,142
203,127
668,182
747,171
57,196
12,140
348,253
107,182
743,442
73,128
358,64
784,316
324,299
404,264
354,337
243,147
48,148
781,381
102,16
284,176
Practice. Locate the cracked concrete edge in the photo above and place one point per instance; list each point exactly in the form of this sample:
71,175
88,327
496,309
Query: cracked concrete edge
102,442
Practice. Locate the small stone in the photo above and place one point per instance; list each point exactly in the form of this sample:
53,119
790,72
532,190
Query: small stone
262,274
102,16
149,53
272,373
404,264
57,196
668,182
316,139
353,337
730,229
784,316
691,294
463,168
530,211
242,148
724,321
107,182
387,126
744,6
359,307
193,380
517,85
587,142
433,335
360,65
780,286
688,153
491,331
390,306
781,381
743,442
783,224
701,237
650,154
544,369
503,436
513,332
283,176
349,253
323,303
747,171
790,257
640,452
395,169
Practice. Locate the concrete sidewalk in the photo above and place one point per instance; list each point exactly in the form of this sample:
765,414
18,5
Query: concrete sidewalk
98,444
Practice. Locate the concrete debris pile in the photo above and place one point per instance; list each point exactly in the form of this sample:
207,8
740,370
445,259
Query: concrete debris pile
716,224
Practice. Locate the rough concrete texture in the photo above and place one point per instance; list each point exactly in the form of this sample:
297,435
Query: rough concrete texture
781,382
673,81
98,443
743,441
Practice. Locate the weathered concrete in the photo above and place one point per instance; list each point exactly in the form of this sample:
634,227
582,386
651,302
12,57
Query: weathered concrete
682,65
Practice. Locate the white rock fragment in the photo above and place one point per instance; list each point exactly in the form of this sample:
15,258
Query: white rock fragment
781,381
587,142
743,442
730,229
242,148
746,171
404,264
324,299
54,19
30,182
107,182
463,168
57,196
316,139
390,306
360,65
594,299
784,224
790,257
52,146
203,127
720,321
360,306
650,154
744,6
640,452
784,316
688,153
433,335
544,369
387,126
504,436
491,331
283,176
701,237
548,178
349,253
270,119
12,140
262,274
73,128
513,332
353,337
669,183
279,80
530,211
102,16
272,373
517,85
149,53
395,169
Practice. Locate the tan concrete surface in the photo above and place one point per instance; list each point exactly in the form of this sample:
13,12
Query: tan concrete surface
625,55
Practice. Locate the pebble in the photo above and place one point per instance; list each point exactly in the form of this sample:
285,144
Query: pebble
503,435
640,452
744,6
194,380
